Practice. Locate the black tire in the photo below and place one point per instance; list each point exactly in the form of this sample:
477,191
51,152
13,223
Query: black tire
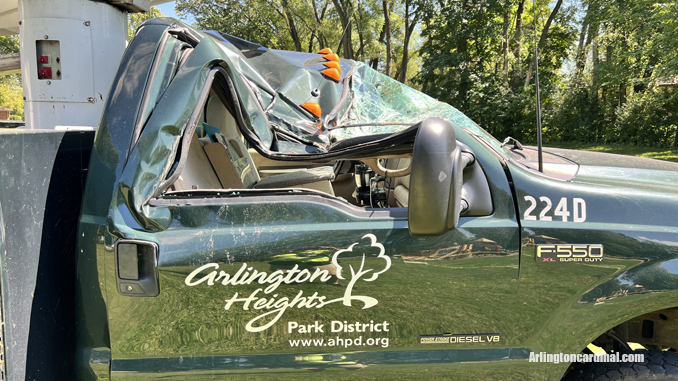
658,365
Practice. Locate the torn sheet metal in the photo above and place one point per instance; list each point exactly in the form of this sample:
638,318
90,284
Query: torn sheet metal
364,101
288,102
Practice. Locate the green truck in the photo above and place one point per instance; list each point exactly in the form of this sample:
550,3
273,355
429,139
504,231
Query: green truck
253,214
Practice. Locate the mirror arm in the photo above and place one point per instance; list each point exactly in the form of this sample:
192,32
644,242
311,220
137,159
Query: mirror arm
464,206
468,158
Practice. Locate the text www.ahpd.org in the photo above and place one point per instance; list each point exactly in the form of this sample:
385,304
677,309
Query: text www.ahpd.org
342,342
337,326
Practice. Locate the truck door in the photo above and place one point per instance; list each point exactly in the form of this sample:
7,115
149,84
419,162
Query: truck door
200,282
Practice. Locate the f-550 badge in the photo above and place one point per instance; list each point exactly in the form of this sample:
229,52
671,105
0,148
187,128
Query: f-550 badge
569,253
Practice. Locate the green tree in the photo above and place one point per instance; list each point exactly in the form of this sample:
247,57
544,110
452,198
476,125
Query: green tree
458,51
11,95
377,32
273,24
9,44
472,46
136,19
617,99
11,89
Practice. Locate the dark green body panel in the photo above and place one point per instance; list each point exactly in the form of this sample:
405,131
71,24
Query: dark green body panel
191,322
477,279
110,151
633,217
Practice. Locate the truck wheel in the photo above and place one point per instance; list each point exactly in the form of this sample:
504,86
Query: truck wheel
658,365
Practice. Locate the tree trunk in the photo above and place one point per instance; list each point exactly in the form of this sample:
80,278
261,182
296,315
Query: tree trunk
310,42
462,48
387,28
595,58
290,23
609,53
409,29
504,42
345,27
402,77
622,94
652,62
542,39
589,31
581,49
317,32
622,84
591,35
517,40
361,37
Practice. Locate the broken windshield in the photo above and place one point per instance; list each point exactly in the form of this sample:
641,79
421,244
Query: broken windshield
308,108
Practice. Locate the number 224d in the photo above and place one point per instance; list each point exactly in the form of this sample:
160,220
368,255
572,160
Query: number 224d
561,210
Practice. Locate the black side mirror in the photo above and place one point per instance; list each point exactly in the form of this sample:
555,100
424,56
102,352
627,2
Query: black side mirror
435,181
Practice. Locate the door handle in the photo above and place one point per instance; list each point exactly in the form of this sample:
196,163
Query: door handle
136,265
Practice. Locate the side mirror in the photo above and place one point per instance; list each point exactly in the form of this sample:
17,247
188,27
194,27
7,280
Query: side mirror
435,181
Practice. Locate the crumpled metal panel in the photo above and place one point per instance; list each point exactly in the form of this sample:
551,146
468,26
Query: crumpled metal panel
281,81
271,87
364,102
152,157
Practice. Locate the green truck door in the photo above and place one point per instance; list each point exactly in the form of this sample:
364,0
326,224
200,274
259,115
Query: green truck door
203,284
296,283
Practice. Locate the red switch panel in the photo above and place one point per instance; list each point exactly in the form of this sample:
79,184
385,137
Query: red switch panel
48,57
45,73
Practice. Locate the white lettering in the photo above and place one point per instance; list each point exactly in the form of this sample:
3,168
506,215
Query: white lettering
263,299
209,278
291,325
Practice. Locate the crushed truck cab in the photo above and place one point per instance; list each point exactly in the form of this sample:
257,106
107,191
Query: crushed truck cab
268,214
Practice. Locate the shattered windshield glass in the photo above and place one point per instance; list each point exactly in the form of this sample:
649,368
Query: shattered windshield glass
379,104
311,101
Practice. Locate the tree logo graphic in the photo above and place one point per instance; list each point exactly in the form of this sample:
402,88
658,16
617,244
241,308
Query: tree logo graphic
362,271
272,305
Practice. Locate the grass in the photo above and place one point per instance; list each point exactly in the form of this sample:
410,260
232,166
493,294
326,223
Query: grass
660,153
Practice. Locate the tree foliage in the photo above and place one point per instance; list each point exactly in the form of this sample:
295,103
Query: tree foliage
11,95
9,44
136,19
624,89
382,33
11,89
608,69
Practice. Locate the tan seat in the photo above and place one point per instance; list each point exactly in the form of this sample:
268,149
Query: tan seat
198,172
233,163
239,171
398,188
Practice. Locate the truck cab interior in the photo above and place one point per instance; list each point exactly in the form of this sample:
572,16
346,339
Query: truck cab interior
219,157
